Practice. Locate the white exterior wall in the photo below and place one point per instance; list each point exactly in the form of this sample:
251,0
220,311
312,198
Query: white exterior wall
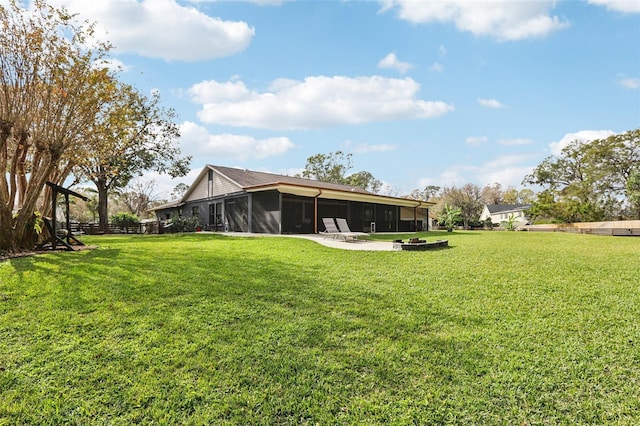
220,186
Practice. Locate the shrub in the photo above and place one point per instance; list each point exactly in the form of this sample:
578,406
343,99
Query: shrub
124,220
183,224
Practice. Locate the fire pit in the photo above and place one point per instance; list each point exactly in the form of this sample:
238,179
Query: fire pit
417,244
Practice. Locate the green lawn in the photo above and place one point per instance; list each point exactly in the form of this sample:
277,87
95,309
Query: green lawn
500,328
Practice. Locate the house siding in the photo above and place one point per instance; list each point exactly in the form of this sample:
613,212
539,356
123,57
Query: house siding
200,190
237,195
216,187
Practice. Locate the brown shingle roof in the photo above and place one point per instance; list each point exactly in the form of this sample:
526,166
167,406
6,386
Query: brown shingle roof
249,178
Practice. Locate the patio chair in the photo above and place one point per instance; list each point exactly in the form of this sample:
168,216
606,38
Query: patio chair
330,227
343,227
332,230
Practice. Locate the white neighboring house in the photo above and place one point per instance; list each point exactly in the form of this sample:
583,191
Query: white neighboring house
500,213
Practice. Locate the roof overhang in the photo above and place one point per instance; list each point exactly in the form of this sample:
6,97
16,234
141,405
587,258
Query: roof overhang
333,194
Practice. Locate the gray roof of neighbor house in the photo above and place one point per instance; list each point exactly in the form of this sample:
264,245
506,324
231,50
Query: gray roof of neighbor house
251,179
497,208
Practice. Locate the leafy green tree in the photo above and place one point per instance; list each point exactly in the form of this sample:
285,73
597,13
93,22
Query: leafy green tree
426,194
513,196
510,223
633,192
450,216
125,220
468,199
364,180
333,167
50,94
587,181
133,134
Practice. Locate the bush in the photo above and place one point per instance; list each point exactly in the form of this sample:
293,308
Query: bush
183,224
124,220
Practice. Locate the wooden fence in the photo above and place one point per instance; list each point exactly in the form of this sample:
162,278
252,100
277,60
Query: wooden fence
616,228
155,227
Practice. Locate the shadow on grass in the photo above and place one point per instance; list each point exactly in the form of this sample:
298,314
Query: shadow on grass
284,335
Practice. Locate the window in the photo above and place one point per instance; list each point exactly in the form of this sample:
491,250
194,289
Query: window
195,211
215,216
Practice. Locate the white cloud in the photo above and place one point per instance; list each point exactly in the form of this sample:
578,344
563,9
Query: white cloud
476,140
163,29
392,61
213,91
196,140
581,136
502,19
624,6
442,50
258,2
506,169
365,148
164,184
516,141
490,103
629,83
436,67
316,102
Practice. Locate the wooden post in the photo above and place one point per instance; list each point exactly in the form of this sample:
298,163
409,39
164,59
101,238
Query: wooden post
54,196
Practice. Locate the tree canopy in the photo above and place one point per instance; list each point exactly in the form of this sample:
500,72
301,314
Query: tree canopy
588,181
49,96
62,112
333,167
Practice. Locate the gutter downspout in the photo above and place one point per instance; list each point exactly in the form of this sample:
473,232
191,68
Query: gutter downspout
415,214
315,211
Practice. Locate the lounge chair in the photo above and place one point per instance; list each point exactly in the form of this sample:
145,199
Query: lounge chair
332,230
343,227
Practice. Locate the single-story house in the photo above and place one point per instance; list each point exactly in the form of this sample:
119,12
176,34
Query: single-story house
232,199
501,212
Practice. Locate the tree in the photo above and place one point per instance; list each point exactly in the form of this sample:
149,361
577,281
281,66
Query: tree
510,223
492,194
179,190
50,94
587,181
450,216
333,167
468,199
133,134
137,196
633,192
125,220
425,194
364,180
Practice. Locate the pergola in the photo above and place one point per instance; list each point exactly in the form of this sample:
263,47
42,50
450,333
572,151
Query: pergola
67,240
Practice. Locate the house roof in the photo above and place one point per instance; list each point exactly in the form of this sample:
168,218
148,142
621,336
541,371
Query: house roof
248,179
501,208
252,181
169,205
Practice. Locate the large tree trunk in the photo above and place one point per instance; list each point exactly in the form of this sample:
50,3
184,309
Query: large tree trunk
103,208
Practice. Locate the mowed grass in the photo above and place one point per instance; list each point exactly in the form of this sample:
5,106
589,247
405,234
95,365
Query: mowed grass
500,328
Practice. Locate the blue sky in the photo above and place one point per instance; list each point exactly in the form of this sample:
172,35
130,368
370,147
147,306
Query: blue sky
420,92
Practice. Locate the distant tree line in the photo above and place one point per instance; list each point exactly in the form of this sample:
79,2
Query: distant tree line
588,181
